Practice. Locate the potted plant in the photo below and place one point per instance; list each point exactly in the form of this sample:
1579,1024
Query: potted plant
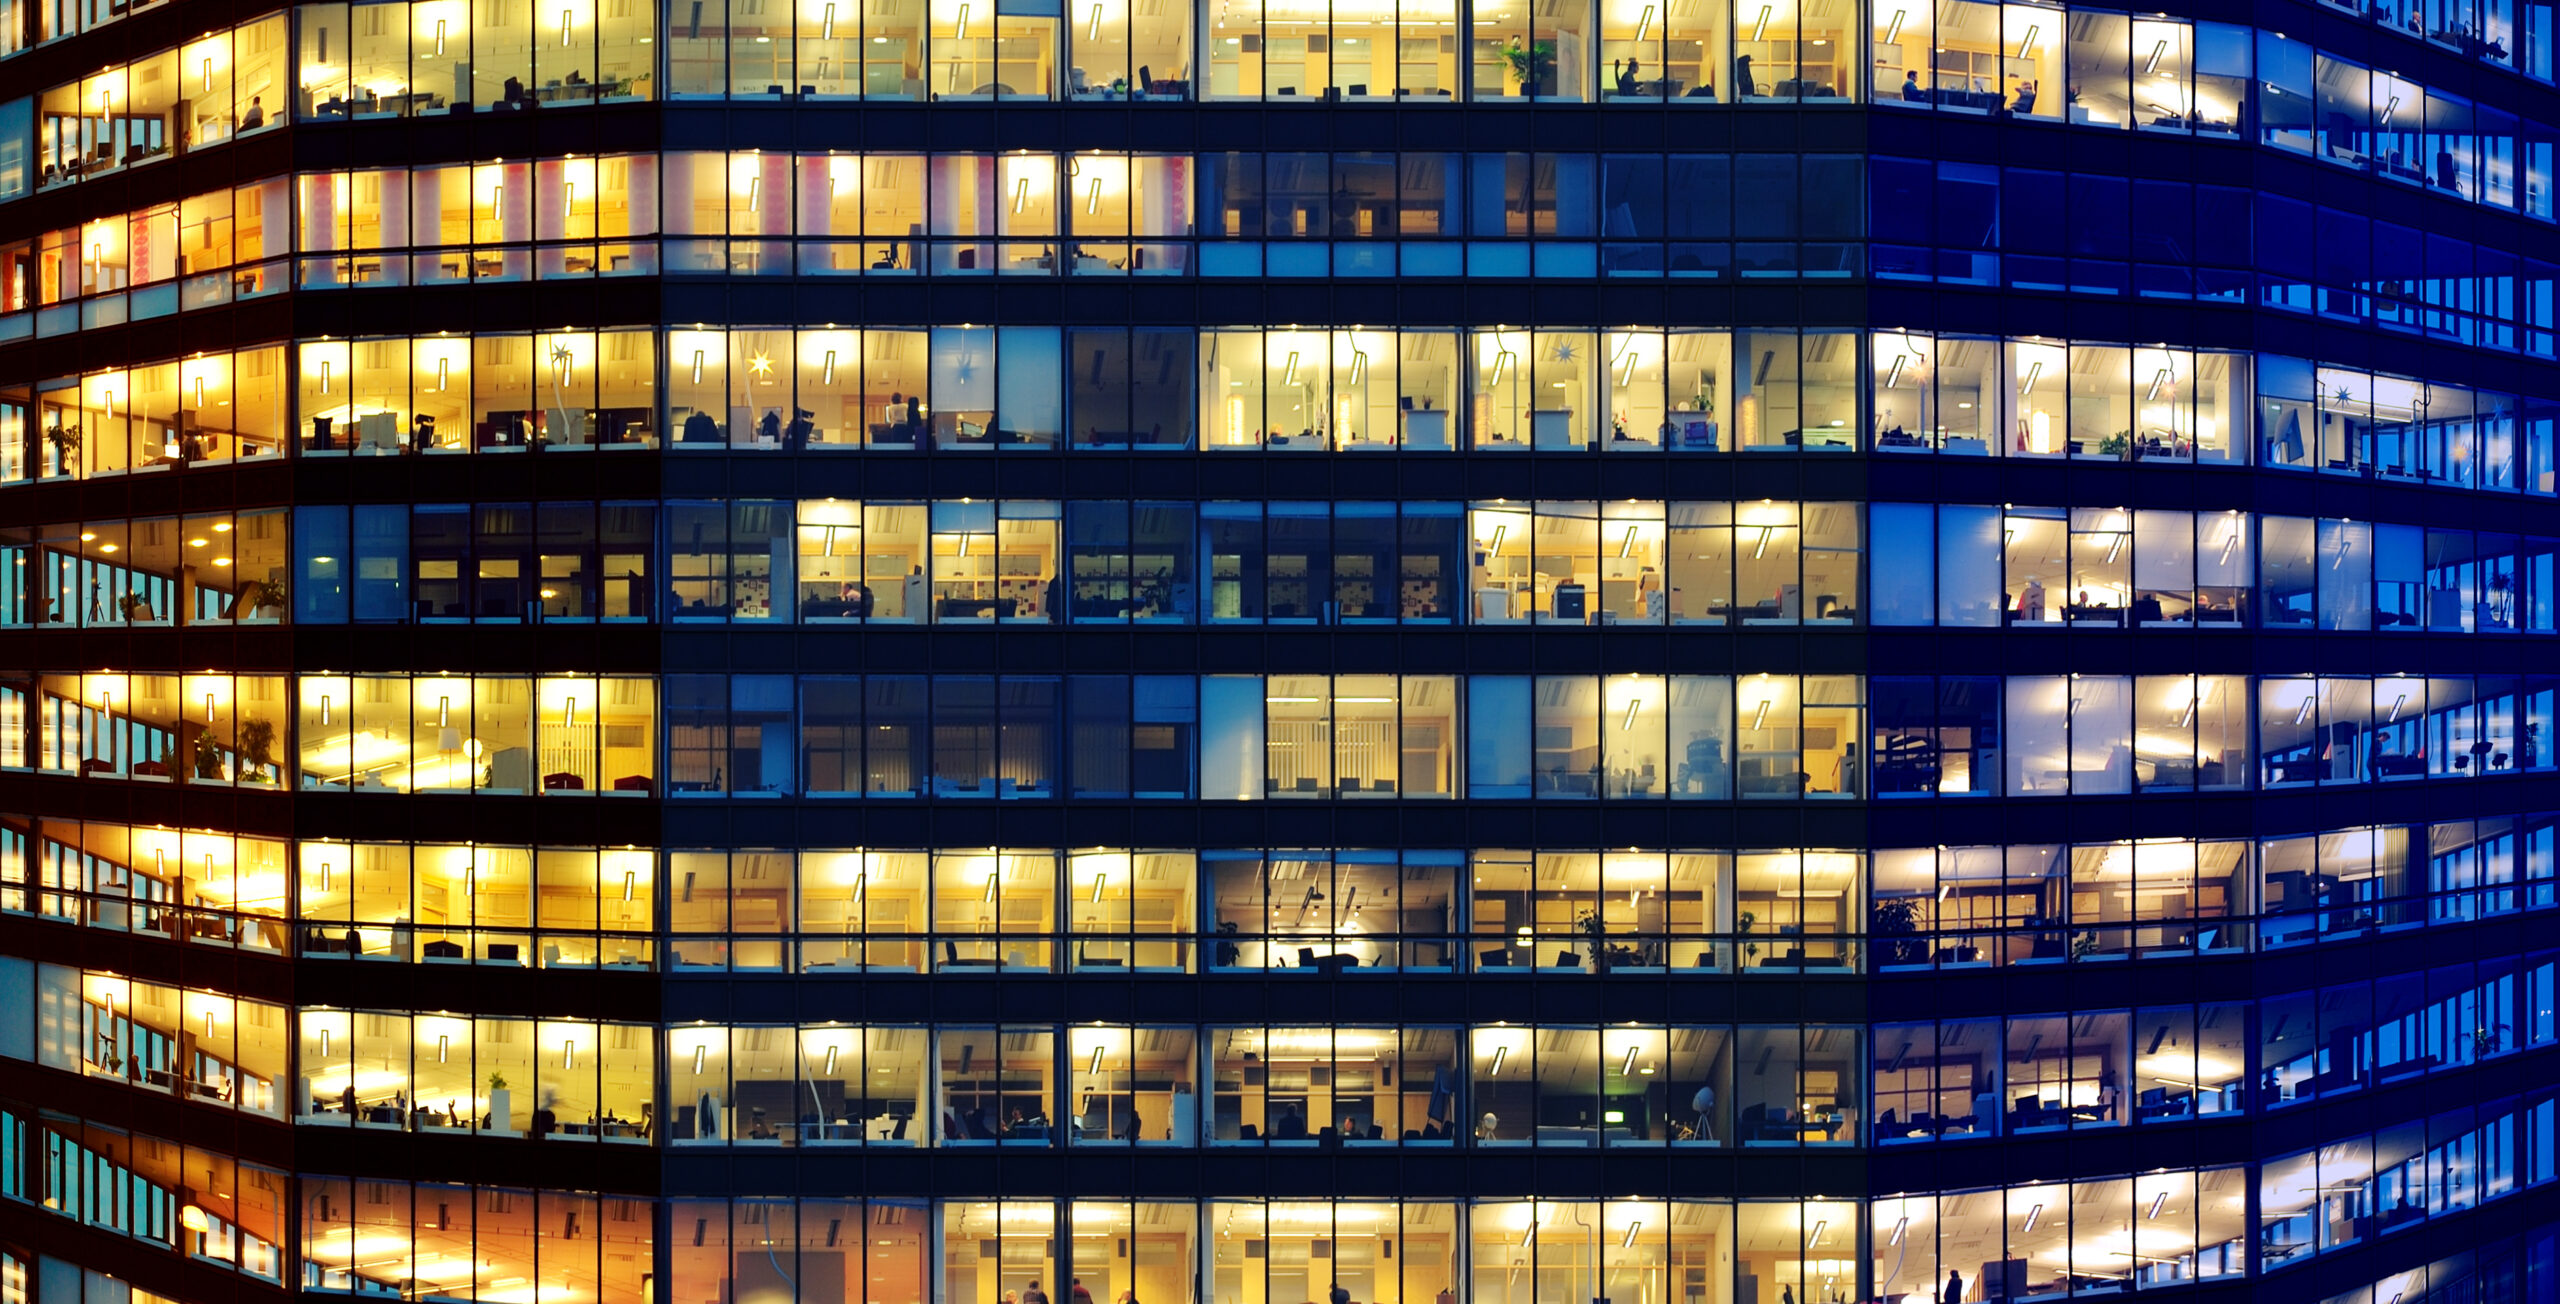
265,597
1742,928
66,447
1595,938
501,1104
208,756
1895,925
126,605
257,750
2118,446
1531,63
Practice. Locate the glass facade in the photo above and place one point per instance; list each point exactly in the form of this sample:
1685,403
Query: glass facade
1244,652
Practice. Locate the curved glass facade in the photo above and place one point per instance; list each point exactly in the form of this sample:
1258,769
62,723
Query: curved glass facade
1005,652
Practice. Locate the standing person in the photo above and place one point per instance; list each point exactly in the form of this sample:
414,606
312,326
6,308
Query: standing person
1076,1293
1954,1293
1032,1294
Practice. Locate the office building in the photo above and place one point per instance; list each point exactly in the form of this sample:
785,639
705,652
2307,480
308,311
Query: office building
1109,651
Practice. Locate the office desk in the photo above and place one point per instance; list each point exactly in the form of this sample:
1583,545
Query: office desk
1588,1137
1426,428
1551,428
1793,1130
1959,98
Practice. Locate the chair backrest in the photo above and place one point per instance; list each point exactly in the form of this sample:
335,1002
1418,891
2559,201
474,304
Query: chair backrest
1249,1132
1306,957
899,1133
1567,960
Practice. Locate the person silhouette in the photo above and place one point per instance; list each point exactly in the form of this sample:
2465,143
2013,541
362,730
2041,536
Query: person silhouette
1954,1293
